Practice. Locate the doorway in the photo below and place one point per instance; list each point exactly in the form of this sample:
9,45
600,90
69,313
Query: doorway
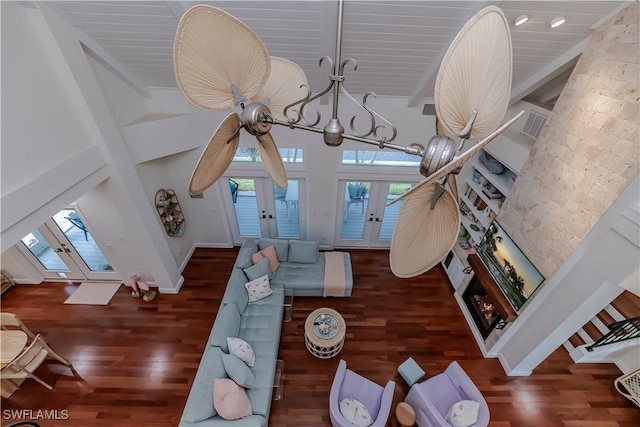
364,219
259,208
63,248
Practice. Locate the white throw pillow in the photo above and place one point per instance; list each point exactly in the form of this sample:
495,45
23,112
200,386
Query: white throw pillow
355,412
463,413
258,288
240,348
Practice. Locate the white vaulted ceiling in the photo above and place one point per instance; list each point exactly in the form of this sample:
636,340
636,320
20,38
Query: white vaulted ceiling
398,45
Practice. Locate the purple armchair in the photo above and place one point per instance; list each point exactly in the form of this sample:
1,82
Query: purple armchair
431,399
347,383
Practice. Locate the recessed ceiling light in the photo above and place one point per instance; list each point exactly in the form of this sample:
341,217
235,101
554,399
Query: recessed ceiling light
557,21
520,20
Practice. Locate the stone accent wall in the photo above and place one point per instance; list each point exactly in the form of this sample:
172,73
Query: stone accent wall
587,153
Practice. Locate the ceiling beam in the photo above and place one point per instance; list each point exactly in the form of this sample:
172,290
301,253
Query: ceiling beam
428,78
106,59
549,72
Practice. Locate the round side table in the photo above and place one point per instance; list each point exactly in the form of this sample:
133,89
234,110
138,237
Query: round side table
324,345
405,414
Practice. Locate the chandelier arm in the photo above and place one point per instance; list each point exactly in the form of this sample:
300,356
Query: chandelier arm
308,99
394,131
363,108
413,149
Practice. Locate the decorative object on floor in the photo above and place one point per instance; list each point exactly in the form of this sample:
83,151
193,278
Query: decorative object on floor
467,106
348,384
324,332
433,398
140,289
170,212
93,293
410,371
405,414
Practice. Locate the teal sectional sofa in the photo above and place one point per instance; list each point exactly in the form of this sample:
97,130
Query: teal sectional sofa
301,273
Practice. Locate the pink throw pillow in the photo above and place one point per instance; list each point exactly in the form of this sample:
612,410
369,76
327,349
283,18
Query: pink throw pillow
268,252
230,400
257,257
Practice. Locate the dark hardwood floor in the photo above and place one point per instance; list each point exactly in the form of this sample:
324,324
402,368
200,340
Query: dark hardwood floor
135,361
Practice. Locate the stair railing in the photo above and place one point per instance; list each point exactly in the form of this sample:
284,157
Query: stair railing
619,331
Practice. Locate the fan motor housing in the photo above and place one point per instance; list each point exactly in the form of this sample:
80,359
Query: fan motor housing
252,118
440,150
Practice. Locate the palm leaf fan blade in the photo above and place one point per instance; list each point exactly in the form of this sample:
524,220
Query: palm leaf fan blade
272,160
217,155
423,236
212,49
285,85
475,74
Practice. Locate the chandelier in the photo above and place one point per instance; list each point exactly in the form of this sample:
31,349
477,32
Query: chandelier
220,64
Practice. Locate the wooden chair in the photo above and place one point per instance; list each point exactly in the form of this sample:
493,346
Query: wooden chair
10,320
29,360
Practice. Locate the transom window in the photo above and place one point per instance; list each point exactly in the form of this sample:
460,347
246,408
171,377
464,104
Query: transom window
379,158
252,155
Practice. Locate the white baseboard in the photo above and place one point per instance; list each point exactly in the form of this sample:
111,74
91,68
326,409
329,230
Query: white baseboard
172,290
196,245
509,371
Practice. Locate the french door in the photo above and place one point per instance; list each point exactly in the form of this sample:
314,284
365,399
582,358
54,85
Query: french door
364,219
259,208
63,248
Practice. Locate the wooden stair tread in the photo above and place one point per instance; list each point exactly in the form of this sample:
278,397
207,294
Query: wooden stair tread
592,331
628,304
576,340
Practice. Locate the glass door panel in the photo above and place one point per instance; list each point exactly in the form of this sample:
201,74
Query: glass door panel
48,256
262,209
44,253
366,220
245,206
287,204
355,213
389,213
68,222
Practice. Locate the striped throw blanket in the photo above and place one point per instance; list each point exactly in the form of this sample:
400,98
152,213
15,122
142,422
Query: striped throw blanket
335,282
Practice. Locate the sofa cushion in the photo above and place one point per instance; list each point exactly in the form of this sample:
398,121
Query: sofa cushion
242,349
199,406
248,248
227,324
230,400
258,270
238,371
258,289
268,252
304,252
235,291
282,247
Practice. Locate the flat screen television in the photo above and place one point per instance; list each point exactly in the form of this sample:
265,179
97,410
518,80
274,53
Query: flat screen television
515,274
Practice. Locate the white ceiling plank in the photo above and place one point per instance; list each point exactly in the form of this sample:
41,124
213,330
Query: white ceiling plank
548,72
427,79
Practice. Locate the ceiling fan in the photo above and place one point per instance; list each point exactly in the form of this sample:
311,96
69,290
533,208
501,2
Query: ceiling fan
221,63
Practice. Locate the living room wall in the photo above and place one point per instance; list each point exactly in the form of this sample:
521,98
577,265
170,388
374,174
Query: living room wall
587,153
